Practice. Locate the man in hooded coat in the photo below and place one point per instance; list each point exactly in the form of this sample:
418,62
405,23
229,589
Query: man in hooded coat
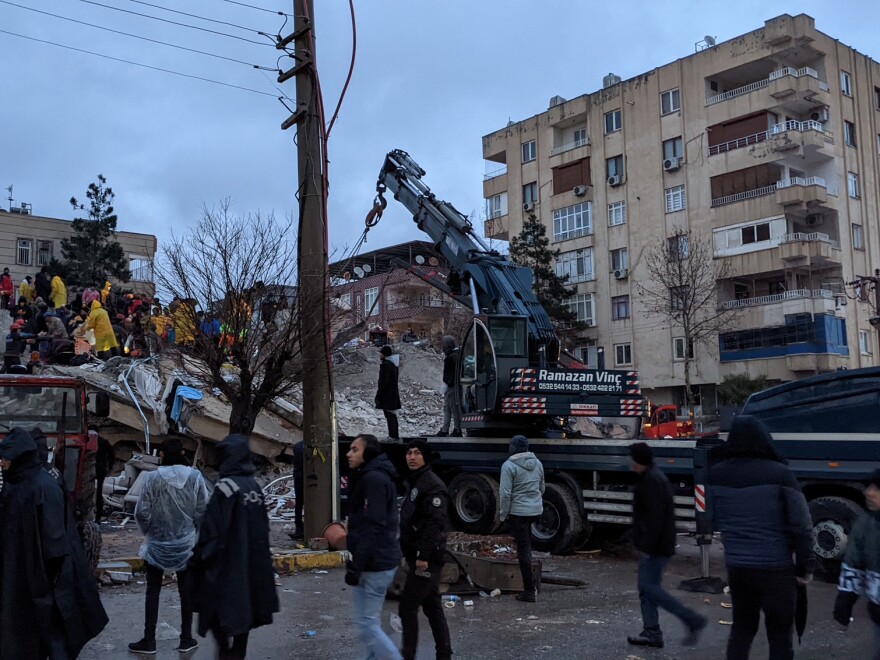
49,603
758,507
232,563
105,339
387,393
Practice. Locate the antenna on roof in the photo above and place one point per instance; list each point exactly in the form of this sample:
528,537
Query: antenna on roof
710,41
10,197
707,42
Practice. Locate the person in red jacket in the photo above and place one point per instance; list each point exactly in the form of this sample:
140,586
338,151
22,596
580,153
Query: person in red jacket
7,289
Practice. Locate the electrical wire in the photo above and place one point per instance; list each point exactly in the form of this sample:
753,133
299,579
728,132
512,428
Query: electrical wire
203,18
135,36
145,66
271,11
350,66
165,20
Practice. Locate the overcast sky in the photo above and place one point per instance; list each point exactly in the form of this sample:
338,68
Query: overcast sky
432,77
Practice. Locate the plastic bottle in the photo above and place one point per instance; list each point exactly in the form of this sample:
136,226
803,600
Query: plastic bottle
396,623
495,593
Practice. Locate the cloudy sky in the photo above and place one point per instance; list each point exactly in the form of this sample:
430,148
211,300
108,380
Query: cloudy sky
432,77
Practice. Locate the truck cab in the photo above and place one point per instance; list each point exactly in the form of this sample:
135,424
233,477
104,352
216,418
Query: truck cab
665,423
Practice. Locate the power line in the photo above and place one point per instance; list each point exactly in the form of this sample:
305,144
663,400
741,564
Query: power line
165,20
145,66
135,36
203,18
271,11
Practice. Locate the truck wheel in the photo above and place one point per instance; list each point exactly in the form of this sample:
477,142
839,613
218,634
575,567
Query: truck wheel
561,527
90,534
475,502
85,500
833,519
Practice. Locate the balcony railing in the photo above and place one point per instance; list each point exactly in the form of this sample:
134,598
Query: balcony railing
501,171
776,129
416,302
742,196
568,147
806,181
758,84
800,237
795,294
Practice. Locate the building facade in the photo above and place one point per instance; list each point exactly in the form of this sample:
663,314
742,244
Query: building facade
29,242
765,146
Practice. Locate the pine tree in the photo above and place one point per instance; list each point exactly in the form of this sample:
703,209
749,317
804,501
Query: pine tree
531,248
92,253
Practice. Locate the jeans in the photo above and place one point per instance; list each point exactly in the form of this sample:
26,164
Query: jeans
521,529
151,608
753,590
450,411
424,592
391,418
369,595
652,595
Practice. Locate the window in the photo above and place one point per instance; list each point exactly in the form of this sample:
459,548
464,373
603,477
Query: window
678,354
670,102
613,121
493,207
44,253
345,301
680,298
617,214
755,233
614,166
581,306
580,137
849,133
852,183
589,355
675,199
530,193
371,298
529,151
23,253
619,308
573,221
678,246
673,148
577,265
622,354
141,268
864,342
878,143
858,237
877,97
619,259
845,83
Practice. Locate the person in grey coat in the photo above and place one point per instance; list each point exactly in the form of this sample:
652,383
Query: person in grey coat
522,485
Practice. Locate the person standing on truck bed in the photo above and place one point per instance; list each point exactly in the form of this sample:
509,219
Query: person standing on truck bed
654,537
758,507
424,517
387,394
860,570
521,488
451,411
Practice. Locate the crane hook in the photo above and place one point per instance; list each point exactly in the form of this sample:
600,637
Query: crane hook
375,213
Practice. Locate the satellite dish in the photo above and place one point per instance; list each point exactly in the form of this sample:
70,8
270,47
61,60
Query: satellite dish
358,271
420,259
367,268
709,40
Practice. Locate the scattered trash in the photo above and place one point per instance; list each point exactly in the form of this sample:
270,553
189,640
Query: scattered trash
277,580
504,549
165,632
593,621
483,594
319,571
495,593
449,604
727,590
119,577
726,605
124,522
451,597
707,601
725,623
396,623
468,603
309,633
531,617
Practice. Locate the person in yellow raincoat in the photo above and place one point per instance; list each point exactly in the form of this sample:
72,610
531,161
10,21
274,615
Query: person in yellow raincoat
184,321
105,339
27,289
105,293
59,292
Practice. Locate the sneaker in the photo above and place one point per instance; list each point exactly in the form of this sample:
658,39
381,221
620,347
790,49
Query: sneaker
694,632
455,434
527,596
187,644
143,647
643,639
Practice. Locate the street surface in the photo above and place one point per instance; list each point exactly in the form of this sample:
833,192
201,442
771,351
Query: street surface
567,623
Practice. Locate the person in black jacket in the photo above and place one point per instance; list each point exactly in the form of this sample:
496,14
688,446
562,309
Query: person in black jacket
758,507
423,521
387,394
654,538
451,411
43,284
372,541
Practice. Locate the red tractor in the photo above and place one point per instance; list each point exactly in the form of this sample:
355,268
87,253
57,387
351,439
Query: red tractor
58,407
664,423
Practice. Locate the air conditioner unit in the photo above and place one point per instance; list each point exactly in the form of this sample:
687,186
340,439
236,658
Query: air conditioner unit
580,191
528,206
615,180
621,273
820,115
814,220
671,164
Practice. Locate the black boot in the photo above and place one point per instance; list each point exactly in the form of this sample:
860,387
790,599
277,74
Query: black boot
644,639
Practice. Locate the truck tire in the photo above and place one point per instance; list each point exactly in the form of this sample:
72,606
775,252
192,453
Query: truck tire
85,499
90,534
475,502
833,520
561,528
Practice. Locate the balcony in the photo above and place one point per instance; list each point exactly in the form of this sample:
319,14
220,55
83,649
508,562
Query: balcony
742,196
814,248
496,228
772,133
794,91
774,77
571,146
826,294
802,339
501,171
805,192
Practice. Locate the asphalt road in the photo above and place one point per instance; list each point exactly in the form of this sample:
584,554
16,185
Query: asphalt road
590,622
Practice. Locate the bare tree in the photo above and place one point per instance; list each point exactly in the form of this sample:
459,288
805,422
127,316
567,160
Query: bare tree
681,287
235,313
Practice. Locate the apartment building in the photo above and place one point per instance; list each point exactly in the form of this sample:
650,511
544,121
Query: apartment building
28,242
766,146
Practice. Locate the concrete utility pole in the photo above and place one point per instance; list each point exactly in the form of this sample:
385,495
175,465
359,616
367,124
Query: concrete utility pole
319,434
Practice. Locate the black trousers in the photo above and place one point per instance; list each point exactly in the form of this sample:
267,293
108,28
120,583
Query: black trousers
151,609
99,497
521,529
391,418
423,592
234,651
755,590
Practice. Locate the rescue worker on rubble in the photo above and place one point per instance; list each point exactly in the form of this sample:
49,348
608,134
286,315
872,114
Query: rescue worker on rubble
105,339
58,292
424,519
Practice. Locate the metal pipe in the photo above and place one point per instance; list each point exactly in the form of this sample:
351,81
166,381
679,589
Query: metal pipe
134,398
474,303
